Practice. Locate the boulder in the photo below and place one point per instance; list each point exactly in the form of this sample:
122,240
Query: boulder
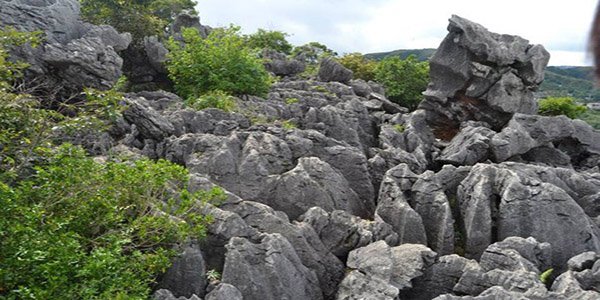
331,70
73,54
280,65
498,201
482,76
186,276
387,270
224,291
470,146
274,268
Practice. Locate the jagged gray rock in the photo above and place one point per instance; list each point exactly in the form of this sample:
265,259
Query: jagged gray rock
331,70
311,251
74,54
274,268
163,294
498,201
224,291
186,277
387,269
342,232
524,133
470,146
150,124
280,65
483,76
394,209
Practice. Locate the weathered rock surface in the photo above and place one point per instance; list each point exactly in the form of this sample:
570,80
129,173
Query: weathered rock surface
74,54
280,65
186,277
482,76
388,269
323,177
331,70
270,269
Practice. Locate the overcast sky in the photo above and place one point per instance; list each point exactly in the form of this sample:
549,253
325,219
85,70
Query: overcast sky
383,25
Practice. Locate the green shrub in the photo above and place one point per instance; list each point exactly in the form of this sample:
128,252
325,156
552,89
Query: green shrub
79,229
362,67
269,39
554,106
291,100
545,276
399,128
404,80
288,125
219,62
213,99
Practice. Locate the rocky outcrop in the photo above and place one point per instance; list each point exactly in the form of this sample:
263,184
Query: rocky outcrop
274,268
186,277
332,191
482,76
381,271
73,54
280,65
331,70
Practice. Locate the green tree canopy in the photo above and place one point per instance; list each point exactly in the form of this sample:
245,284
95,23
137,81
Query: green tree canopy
221,62
361,66
312,52
404,80
554,106
269,39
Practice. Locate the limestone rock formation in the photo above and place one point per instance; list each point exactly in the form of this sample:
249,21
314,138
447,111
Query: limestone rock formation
74,54
482,76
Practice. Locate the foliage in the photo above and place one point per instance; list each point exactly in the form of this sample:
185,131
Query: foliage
421,54
139,17
269,39
213,99
312,52
591,117
545,276
79,229
399,128
288,125
11,70
554,106
362,67
291,100
576,82
213,275
404,80
74,228
219,62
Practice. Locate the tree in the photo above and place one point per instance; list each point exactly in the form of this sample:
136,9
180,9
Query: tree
554,106
269,39
312,52
404,80
222,62
361,66
139,17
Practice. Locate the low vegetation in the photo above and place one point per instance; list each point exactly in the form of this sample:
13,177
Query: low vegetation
404,80
554,106
75,227
220,62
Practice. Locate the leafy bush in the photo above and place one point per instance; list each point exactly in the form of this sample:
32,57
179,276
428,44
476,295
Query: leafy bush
404,80
269,39
220,62
213,99
554,106
139,17
361,66
79,229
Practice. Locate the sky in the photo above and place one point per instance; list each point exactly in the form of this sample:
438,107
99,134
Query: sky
368,26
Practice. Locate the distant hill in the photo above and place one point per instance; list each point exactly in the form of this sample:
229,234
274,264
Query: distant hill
421,54
571,81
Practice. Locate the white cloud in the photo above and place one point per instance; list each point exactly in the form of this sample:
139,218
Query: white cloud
383,25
